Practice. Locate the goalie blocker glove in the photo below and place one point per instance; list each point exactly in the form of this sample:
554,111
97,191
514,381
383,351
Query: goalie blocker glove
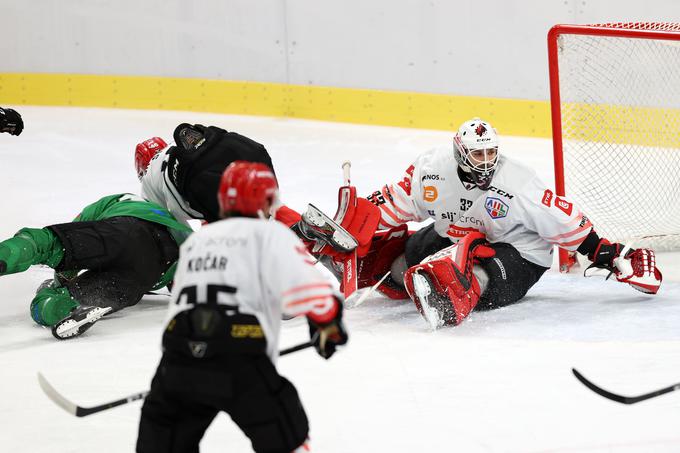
637,267
328,332
10,122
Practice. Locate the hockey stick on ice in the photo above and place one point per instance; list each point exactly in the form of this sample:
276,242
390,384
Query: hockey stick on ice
80,411
354,300
620,398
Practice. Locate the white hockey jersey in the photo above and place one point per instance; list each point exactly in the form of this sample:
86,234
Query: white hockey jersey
518,209
268,268
157,187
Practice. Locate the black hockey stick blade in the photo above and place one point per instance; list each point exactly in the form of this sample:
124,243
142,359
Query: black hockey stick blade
620,398
80,411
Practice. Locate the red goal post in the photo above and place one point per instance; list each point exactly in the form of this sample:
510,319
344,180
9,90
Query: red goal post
615,105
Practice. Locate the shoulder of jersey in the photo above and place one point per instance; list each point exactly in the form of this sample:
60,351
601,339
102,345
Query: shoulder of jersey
513,173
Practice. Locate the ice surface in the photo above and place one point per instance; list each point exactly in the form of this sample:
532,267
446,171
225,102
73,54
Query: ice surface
500,382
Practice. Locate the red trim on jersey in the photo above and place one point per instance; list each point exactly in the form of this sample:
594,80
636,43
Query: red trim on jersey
309,299
406,216
572,243
391,214
305,287
571,233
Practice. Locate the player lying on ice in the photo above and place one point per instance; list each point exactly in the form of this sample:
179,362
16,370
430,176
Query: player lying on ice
184,176
127,246
495,226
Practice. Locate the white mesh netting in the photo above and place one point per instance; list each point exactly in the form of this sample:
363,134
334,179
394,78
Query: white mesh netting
620,104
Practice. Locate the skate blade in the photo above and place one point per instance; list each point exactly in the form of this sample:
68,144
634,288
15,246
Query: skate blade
423,291
70,328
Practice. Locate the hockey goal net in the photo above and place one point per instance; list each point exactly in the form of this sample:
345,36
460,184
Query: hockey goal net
615,103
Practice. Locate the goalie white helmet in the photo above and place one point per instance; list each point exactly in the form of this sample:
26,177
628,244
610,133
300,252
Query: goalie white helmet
475,146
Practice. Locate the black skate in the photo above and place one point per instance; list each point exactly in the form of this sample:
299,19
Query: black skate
80,319
317,226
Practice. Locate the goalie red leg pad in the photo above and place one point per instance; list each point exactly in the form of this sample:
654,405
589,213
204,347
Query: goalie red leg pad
384,249
287,216
452,294
445,282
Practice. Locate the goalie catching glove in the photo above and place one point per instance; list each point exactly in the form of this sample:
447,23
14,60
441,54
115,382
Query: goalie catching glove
637,267
328,332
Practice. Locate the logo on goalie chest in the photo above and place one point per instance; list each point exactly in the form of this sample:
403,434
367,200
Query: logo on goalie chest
496,208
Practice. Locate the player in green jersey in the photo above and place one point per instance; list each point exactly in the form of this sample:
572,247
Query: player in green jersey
117,249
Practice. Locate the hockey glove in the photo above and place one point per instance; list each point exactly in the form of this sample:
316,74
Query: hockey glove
11,122
637,267
327,336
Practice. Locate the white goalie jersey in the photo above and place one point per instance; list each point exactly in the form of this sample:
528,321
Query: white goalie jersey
263,264
157,187
518,208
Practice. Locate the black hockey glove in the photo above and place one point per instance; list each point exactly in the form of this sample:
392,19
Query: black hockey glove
329,335
10,122
600,251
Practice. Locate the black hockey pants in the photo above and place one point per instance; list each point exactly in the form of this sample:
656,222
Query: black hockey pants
510,275
124,257
221,370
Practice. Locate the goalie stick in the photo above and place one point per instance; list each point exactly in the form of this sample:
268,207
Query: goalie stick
620,398
348,196
80,411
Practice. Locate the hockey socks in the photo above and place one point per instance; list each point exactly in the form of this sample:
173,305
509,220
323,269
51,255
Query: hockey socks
51,305
30,246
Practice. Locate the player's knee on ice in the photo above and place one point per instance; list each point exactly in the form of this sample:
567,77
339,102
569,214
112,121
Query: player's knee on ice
510,276
51,305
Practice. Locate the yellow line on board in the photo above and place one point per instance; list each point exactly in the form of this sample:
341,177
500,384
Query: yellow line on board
363,106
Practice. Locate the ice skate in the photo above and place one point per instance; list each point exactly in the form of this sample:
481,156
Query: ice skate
80,319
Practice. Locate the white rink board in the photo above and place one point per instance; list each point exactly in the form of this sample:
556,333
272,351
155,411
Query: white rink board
501,382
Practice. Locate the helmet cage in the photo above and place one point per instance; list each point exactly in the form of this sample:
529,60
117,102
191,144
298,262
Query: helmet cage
472,154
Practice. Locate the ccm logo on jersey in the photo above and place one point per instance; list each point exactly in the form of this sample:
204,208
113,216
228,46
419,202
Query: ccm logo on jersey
496,208
430,193
501,192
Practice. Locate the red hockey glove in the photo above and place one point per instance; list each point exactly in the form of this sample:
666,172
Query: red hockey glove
327,336
638,269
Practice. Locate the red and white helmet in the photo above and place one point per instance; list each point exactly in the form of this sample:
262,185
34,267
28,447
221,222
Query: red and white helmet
475,146
145,151
247,189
